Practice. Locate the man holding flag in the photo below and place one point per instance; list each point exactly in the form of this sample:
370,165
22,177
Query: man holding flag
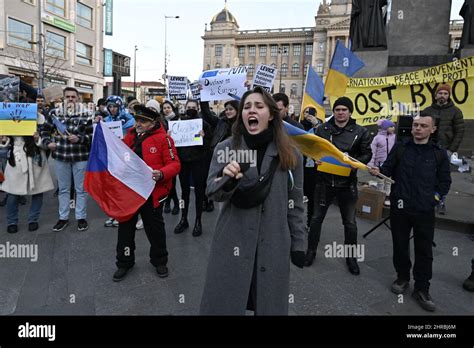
331,182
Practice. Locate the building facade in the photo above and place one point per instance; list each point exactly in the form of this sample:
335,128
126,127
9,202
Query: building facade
290,50
71,32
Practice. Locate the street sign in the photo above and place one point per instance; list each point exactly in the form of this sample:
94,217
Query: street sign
109,19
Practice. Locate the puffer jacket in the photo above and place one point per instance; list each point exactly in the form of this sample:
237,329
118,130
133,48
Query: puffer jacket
381,146
451,124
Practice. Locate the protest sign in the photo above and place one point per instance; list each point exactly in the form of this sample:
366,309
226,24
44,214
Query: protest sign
195,92
177,87
53,93
9,89
114,126
18,119
223,84
186,133
264,77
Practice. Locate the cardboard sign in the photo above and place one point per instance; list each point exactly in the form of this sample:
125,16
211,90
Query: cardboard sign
9,89
18,119
264,77
195,92
53,93
114,126
178,87
223,84
186,133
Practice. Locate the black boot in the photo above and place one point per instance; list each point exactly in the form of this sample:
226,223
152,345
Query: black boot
352,265
210,206
197,231
310,256
182,225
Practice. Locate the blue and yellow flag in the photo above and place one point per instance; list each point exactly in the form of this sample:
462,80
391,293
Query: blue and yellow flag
314,95
343,66
333,160
18,119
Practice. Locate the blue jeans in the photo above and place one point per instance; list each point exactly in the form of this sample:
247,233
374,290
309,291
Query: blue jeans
63,173
12,208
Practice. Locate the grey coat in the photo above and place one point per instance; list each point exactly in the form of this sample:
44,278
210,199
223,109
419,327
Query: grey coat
267,232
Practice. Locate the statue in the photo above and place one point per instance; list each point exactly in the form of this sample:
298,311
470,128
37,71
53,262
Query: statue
368,24
467,12
323,8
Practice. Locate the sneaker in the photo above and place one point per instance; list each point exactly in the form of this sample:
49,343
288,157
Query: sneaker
120,274
60,225
33,226
82,225
399,286
162,271
109,222
139,225
469,283
115,223
424,300
12,228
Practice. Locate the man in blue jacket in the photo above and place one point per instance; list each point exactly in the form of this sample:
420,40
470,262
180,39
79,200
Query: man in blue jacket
420,169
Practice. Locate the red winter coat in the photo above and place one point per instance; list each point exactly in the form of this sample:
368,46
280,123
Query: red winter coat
159,153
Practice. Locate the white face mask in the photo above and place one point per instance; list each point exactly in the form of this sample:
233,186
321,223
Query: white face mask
170,116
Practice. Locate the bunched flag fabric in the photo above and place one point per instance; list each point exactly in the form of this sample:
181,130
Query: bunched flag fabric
333,160
118,180
314,94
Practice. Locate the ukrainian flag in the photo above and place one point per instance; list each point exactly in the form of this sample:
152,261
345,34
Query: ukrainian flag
333,160
18,119
314,95
343,66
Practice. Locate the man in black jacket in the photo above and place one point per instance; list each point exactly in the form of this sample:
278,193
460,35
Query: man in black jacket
354,140
420,169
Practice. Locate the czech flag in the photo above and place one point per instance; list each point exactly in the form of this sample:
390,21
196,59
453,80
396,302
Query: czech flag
314,94
343,66
333,160
118,180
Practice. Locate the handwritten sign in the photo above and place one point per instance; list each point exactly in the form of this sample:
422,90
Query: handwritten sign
195,92
264,76
18,119
9,89
223,84
186,133
177,87
114,126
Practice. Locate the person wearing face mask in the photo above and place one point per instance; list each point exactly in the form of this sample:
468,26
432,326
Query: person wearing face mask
193,162
169,114
254,217
222,129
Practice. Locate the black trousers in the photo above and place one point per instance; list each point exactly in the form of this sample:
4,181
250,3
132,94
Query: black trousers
155,231
346,199
309,184
402,222
173,194
199,173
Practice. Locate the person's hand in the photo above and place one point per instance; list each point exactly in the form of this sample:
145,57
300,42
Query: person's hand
201,133
374,171
233,170
52,146
98,118
298,258
318,162
157,175
73,138
36,136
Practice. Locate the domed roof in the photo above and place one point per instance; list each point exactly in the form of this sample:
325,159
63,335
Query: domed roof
223,17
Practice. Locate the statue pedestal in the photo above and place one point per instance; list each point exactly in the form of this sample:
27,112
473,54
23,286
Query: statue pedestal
375,63
467,51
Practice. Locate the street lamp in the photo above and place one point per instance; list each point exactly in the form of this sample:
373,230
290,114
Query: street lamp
135,73
281,51
166,58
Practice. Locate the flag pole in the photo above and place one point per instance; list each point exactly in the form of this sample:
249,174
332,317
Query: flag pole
304,92
380,175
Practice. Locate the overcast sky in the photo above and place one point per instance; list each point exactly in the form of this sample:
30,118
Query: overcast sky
141,23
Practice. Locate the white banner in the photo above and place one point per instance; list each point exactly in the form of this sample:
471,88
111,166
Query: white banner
223,84
178,87
114,126
264,77
186,133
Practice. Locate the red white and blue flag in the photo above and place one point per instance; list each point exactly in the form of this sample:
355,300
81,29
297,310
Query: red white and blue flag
118,180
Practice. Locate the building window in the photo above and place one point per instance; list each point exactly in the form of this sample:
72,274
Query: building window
217,66
252,50
306,67
308,50
273,50
55,45
20,34
284,69
241,51
297,50
218,51
282,88
263,51
319,68
83,53
294,89
250,69
56,6
84,15
285,49
295,70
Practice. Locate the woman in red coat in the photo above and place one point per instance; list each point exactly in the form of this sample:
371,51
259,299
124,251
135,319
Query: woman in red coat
149,141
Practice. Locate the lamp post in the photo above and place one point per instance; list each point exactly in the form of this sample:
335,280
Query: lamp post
166,58
281,51
135,73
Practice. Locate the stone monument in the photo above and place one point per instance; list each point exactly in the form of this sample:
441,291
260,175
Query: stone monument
467,39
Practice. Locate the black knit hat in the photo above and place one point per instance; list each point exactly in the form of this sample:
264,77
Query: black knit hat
344,101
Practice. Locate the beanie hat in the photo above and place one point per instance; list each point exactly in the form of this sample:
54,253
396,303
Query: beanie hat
152,103
444,87
344,101
386,124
